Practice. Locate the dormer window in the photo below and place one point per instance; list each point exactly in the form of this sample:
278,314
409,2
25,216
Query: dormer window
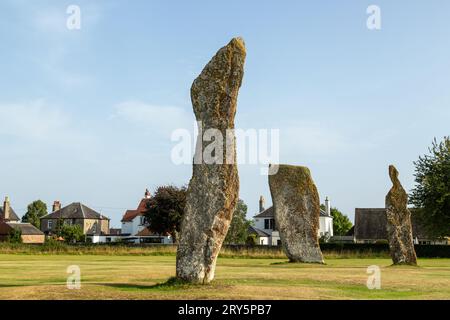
269,224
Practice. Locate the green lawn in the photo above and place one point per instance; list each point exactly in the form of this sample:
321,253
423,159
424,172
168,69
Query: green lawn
135,277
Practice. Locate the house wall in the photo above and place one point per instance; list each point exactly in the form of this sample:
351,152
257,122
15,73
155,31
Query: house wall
260,224
86,224
33,238
274,238
44,225
127,227
132,227
263,240
325,225
95,226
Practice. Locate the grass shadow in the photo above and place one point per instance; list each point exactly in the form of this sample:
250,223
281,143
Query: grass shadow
172,283
402,265
292,263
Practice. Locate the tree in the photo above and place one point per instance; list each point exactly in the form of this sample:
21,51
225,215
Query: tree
431,195
72,233
238,231
36,210
165,210
341,223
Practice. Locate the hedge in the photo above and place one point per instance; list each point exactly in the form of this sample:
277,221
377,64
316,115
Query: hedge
422,251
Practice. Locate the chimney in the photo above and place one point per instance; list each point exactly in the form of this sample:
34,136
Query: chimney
327,206
56,206
6,209
261,204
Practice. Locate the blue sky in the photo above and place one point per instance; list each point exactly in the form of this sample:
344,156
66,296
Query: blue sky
86,115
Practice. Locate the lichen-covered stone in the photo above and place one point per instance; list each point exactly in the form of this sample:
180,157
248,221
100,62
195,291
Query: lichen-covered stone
297,210
398,226
213,190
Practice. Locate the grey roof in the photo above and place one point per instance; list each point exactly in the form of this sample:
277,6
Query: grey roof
12,213
258,232
25,228
324,214
269,213
75,210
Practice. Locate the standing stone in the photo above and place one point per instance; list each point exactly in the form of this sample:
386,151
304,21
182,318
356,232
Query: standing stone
213,191
297,211
398,227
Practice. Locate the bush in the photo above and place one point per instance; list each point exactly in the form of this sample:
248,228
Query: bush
14,236
251,240
72,233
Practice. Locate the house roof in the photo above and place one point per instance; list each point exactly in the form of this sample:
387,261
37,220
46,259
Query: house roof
269,213
370,223
140,211
12,213
258,232
25,228
75,210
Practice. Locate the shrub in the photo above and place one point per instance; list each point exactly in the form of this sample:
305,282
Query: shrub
15,236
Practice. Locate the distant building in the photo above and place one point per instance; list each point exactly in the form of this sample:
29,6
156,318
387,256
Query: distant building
10,222
133,221
265,227
370,227
135,227
7,213
91,222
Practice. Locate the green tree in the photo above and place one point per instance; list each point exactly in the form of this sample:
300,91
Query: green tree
36,210
431,195
72,233
238,231
341,223
15,236
165,210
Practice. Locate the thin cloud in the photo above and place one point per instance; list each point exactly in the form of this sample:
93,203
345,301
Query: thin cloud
312,138
38,121
153,118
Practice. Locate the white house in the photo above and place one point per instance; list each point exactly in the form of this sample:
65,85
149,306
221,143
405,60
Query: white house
265,226
135,228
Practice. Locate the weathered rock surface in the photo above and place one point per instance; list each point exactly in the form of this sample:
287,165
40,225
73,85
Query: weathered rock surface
213,190
297,209
398,226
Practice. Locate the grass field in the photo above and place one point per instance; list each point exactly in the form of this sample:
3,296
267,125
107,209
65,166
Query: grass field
136,277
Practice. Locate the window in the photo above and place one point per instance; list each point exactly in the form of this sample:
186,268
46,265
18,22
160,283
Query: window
142,220
269,224
49,224
94,228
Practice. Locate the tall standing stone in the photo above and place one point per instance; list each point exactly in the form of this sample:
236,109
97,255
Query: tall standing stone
399,227
297,210
212,194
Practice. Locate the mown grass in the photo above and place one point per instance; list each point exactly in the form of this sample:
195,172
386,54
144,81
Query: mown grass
44,276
